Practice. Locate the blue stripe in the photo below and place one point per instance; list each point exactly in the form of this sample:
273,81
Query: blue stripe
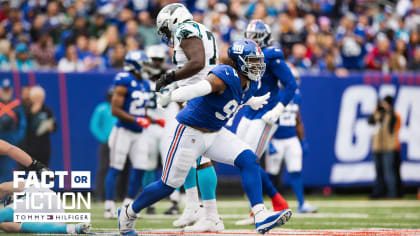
169,150
176,147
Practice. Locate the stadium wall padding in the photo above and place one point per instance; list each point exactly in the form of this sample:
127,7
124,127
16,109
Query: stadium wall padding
334,111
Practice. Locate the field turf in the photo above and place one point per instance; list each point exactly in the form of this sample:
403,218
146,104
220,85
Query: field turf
337,215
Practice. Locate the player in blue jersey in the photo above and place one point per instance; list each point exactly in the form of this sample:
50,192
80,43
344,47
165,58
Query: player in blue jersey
257,126
290,145
200,131
127,137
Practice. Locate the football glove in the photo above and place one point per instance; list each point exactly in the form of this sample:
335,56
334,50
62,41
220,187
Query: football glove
39,167
143,122
258,102
273,115
164,80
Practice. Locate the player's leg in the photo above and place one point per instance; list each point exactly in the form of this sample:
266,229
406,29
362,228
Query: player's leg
257,134
185,147
192,205
154,133
293,158
207,181
229,149
273,164
54,228
119,144
148,178
140,161
164,143
175,198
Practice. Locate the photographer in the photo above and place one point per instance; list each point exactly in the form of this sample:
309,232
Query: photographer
385,146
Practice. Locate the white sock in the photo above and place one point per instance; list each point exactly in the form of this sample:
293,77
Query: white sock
210,207
71,229
109,205
191,195
257,210
130,210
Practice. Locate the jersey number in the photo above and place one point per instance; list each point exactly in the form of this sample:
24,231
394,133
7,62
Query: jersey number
210,36
137,105
229,109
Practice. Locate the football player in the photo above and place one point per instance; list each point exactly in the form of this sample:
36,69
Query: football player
258,126
154,69
21,157
127,137
289,143
195,54
200,131
7,189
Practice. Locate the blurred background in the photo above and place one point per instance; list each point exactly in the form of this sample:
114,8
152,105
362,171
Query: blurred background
349,54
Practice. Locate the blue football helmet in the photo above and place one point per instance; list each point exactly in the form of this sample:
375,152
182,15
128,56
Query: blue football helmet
248,58
258,31
135,61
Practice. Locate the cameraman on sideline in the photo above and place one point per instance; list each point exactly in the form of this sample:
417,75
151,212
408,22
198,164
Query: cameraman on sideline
385,147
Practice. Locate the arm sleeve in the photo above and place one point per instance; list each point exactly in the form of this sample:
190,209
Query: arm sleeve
280,69
189,92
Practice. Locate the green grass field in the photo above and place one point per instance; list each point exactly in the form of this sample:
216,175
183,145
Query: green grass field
357,214
335,212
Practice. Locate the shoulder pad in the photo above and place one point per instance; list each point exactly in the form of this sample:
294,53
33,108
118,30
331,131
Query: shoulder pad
273,53
187,30
225,73
122,78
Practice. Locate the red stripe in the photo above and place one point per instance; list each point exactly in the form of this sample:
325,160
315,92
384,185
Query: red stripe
65,131
16,83
261,144
171,154
32,80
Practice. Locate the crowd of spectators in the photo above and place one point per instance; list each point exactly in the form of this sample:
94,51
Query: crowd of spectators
319,35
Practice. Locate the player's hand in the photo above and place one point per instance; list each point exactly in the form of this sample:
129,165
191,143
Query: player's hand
258,102
273,115
163,99
160,122
39,167
305,147
143,122
164,80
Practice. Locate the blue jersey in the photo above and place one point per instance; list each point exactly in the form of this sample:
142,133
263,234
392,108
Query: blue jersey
287,120
135,99
276,71
214,110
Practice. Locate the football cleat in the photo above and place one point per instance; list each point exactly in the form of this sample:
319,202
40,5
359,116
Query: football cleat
268,220
307,208
83,228
188,217
206,225
126,222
